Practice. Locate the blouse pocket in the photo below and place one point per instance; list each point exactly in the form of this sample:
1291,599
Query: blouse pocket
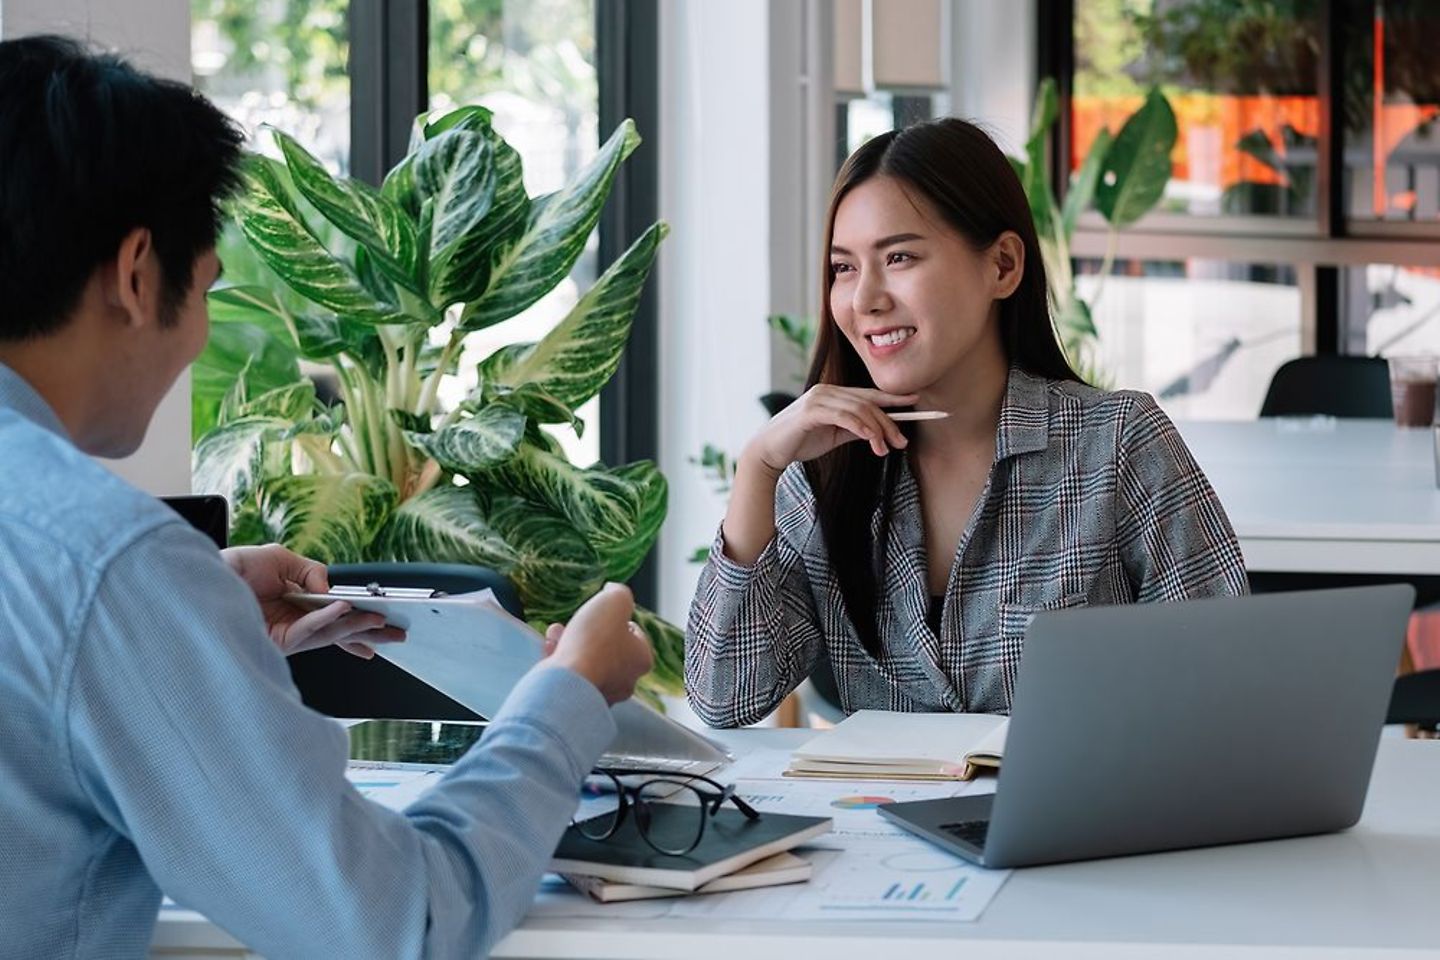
1015,617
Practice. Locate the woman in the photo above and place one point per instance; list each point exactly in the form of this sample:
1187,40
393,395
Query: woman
916,556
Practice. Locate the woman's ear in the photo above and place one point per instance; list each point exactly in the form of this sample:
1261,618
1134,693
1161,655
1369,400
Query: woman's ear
1007,256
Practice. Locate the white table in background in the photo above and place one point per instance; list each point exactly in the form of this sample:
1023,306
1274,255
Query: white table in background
1325,496
1371,892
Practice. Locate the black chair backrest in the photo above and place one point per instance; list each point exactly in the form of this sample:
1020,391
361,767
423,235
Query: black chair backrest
341,685
1416,699
1333,386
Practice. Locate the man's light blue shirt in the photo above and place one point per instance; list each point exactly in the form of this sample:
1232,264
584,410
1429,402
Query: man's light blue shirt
153,740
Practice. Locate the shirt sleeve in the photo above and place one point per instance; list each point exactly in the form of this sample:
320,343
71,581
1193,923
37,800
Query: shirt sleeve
753,632
188,736
1174,537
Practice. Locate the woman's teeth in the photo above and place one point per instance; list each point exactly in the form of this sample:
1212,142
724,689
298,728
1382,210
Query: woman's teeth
892,337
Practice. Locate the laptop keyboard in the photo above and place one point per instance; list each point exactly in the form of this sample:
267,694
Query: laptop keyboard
970,831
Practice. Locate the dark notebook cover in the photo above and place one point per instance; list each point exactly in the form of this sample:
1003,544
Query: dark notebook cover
731,842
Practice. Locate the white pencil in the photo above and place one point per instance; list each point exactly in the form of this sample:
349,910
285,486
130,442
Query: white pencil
918,415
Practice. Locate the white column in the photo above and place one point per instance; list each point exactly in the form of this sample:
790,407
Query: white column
992,69
154,34
715,269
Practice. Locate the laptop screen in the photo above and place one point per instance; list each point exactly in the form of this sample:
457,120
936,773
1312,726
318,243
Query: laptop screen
208,514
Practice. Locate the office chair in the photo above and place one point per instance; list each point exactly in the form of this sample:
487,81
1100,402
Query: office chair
1334,386
1416,700
341,685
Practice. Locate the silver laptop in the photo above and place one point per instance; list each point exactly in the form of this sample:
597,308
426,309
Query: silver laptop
1162,726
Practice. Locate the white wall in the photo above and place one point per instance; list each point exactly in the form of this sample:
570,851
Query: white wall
992,68
715,268
155,34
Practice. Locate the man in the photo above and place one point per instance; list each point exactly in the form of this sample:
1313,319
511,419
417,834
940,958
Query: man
152,738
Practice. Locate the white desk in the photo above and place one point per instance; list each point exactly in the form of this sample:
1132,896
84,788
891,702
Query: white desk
1346,496
1372,891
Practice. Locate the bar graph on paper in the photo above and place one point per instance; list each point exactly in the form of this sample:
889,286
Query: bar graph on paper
900,879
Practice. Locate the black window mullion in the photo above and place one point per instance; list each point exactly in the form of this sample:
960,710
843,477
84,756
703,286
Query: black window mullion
627,45
389,62
1055,57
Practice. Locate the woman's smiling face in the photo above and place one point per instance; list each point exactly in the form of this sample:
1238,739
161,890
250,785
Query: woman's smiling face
913,297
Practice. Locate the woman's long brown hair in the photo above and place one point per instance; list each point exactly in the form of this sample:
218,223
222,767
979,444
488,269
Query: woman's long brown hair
962,173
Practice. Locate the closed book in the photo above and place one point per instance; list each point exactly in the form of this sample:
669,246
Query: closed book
773,871
731,842
889,745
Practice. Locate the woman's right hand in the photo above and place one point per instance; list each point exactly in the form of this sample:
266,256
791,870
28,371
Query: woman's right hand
824,417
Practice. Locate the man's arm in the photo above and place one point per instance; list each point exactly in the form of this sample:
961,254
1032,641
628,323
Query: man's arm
187,734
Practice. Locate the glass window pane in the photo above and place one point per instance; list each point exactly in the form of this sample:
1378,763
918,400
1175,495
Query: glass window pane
533,64
1203,336
281,63
1392,105
1392,311
1241,76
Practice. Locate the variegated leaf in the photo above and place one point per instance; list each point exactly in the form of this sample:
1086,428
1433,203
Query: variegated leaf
227,460
361,212
236,352
667,641
531,399
328,517
278,233
558,226
555,569
617,512
444,525
456,174
576,358
317,336
475,444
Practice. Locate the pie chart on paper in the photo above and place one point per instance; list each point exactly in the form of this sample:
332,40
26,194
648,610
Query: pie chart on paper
860,802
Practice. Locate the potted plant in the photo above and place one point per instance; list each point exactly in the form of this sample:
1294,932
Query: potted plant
1123,175
379,289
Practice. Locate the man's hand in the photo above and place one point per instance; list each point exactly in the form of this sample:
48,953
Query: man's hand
272,572
602,644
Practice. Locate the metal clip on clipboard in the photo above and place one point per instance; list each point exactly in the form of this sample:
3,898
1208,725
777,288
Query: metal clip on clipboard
375,590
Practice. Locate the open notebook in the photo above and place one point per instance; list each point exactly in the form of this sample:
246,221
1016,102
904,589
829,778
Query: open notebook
884,745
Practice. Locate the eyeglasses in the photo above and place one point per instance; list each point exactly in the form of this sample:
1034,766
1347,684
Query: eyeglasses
674,830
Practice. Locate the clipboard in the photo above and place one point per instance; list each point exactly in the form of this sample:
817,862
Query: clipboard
474,651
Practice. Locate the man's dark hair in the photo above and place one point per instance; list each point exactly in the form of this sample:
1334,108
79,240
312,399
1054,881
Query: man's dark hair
90,149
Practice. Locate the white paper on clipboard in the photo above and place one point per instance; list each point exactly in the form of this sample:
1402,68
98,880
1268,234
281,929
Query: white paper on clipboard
471,649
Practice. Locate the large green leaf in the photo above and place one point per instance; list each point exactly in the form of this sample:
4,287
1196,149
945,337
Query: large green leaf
668,643
227,460
327,517
315,336
1082,191
555,235
265,361
1137,165
475,444
456,178
618,512
555,569
272,223
360,212
576,358
531,399
444,525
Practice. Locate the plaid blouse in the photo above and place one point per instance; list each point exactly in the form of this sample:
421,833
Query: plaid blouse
1093,498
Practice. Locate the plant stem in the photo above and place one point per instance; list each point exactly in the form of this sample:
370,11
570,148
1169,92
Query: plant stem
1112,241
426,403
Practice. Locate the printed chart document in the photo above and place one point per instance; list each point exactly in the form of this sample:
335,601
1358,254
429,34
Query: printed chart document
471,649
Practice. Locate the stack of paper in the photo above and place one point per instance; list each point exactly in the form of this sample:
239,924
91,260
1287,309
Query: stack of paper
883,745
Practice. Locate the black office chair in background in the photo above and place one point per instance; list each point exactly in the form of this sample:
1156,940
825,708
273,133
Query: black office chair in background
1348,387
1416,701
341,685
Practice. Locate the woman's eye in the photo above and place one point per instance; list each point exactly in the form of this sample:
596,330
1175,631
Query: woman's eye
839,268
898,257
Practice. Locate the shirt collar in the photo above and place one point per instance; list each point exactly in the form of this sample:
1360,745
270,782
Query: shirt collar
1024,415
16,394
